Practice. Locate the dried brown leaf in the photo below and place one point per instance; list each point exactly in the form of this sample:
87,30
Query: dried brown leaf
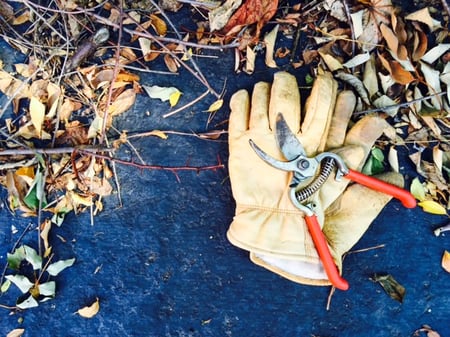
430,332
420,45
6,10
445,263
15,333
394,289
158,24
423,15
122,103
45,230
376,13
390,37
399,74
24,17
269,40
37,113
356,83
171,63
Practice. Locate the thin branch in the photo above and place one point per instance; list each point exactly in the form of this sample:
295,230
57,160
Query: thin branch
446,6
114,76
172,169
194,64
60,150
191,103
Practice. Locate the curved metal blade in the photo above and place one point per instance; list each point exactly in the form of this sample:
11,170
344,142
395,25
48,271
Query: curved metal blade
288,143
281,165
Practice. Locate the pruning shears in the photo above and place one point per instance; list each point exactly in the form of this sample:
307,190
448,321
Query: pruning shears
318,169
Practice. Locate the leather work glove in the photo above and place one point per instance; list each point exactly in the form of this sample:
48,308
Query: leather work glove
266,222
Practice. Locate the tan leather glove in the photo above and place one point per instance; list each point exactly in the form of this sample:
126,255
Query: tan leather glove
266,222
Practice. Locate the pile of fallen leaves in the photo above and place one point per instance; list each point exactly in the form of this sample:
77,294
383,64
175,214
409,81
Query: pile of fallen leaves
83,60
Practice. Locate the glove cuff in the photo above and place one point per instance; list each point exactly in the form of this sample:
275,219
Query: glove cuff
293,270
280,233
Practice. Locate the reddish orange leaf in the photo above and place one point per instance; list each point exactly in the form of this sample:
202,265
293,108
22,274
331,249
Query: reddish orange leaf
399,74
252,11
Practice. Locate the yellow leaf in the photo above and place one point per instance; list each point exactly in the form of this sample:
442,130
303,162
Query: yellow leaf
433,207
90,311
27,171
187,55
159,25
37,112
174,97
215,106
445,263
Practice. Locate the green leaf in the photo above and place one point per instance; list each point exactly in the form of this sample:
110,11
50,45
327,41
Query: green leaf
417,189
377,154
35,193
55,268
22,282
47,289
374,164
29,302
394,289
32,256
367,168
16,258
5,286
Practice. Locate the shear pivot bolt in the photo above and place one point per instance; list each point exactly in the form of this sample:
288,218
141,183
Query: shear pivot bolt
303,164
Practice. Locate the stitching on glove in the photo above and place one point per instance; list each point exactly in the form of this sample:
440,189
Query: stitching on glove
240,208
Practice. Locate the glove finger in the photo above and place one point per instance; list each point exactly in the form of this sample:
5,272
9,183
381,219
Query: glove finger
345,105
319,109
239,105
259,119
285,99
348,218
366,131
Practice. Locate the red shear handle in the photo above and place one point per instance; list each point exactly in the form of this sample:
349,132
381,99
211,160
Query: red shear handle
324,253
404,196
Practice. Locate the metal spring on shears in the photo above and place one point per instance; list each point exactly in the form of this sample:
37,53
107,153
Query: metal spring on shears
325,170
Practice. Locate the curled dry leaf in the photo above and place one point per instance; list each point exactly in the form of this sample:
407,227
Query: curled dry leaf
356,83
15,333
394,289
90,311
445,263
